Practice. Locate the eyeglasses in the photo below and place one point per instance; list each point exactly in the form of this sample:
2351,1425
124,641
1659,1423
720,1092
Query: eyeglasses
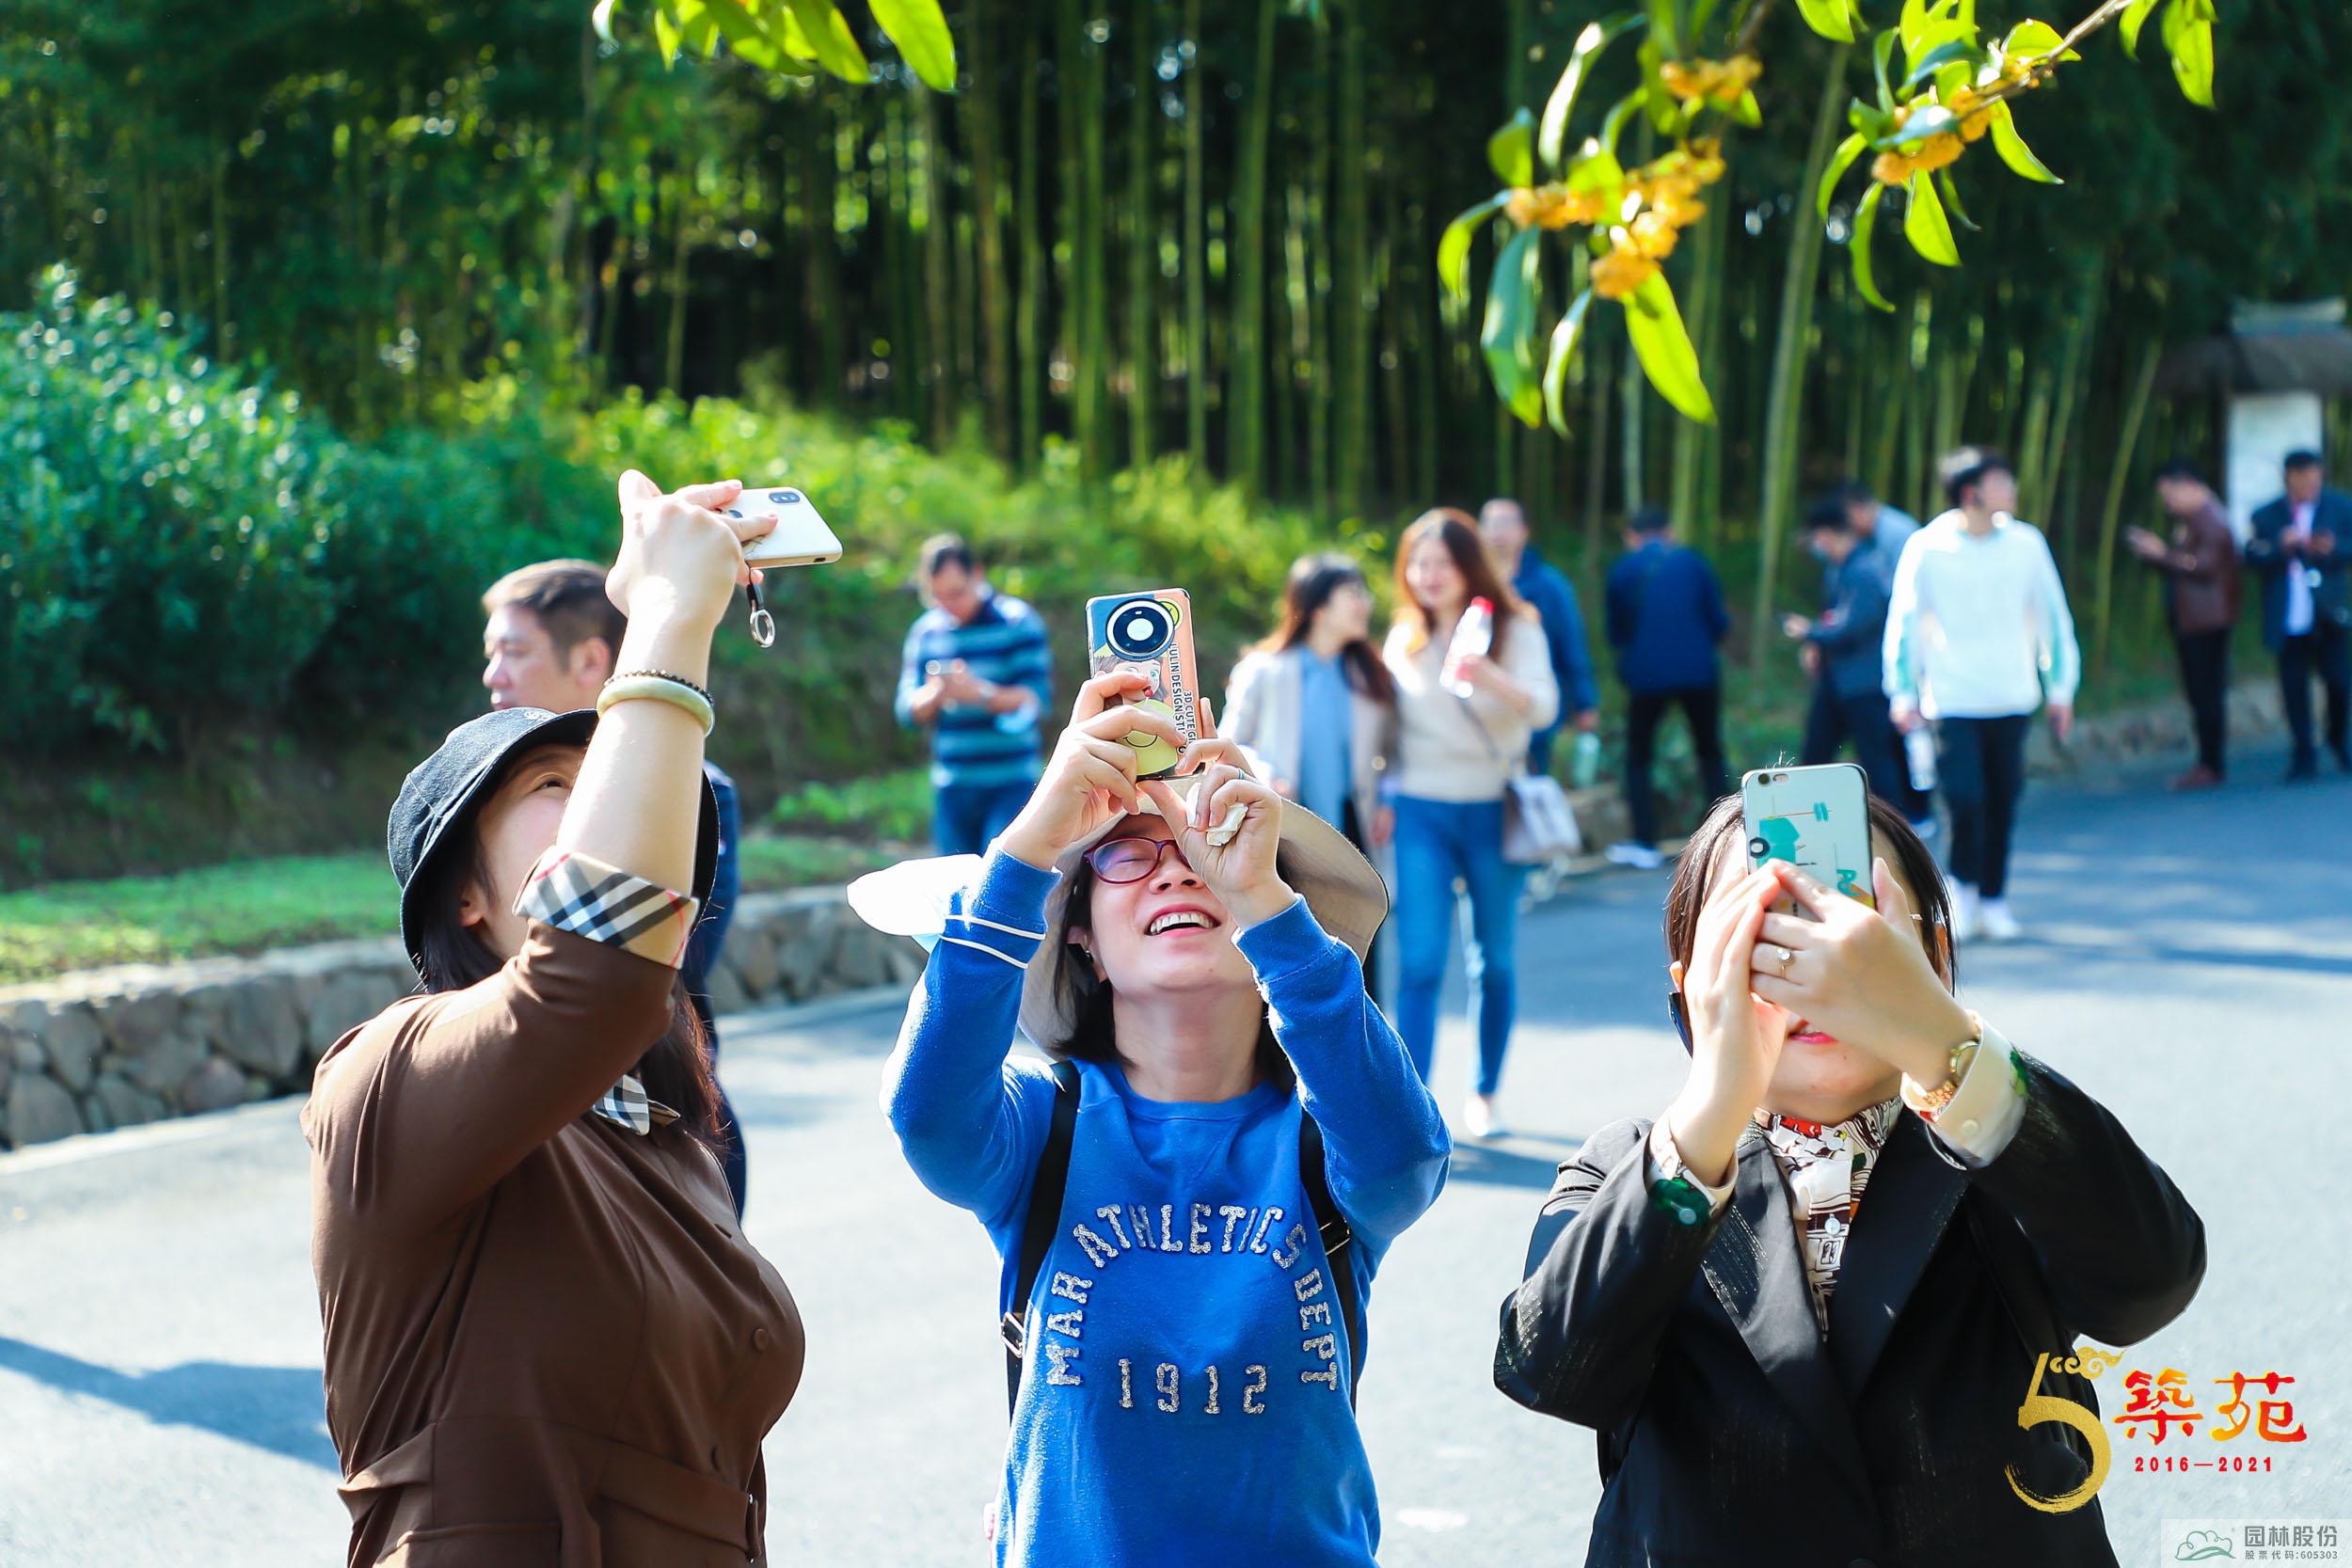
1131,860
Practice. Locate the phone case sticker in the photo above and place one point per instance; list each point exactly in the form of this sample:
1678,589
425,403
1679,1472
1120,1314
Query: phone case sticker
1150,635
1815,818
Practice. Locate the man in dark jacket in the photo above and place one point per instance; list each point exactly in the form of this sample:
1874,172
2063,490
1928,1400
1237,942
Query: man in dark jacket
1666,618
2303,548
1503,523
1842,651
2200,595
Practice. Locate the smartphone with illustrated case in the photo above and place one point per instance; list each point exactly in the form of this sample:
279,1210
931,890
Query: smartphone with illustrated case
1150,634
1816,818
801,537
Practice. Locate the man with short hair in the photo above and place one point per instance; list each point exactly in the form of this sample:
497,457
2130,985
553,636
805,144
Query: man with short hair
1878,526
551,642
2200,597
1503,523
2302,546
1978,636
1843,651
976,669
1665,616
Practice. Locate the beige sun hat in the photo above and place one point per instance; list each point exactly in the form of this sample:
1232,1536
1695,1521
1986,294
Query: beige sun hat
1343,891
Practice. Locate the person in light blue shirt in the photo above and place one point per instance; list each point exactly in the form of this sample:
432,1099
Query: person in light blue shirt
1188,953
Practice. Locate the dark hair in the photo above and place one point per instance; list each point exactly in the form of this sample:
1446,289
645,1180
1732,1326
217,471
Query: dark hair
942,550
568,597
2180,468
1452,527
676,1069
1852,492
1086,998
1650,519
2301,458
1828,513
1694,874
1312,581
1963,469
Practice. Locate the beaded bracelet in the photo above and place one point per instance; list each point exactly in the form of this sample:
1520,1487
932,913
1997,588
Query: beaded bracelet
660,688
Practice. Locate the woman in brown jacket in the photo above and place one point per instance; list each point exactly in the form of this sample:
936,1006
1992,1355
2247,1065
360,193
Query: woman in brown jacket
547,1341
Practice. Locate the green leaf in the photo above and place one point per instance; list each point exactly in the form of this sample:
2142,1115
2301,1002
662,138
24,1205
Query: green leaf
2030,40
697,28
1866,218
1624,109
2188,34
834,46
1935,60
1508,337
1747,111
1832,19
745,36
1881,52
1565,338
1453,246
1661,25
2013,151
1949,189
1840,161
602,17
920,32
1596,37
2133,18
1663,346
1511,152
1596,168
1875,124
1926,227
665,36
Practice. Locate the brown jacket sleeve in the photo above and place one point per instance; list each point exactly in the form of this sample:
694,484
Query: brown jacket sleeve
425,1107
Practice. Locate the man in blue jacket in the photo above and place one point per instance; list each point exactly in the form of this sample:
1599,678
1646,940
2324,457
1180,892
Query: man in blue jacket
1666,618
1842,651
2302,550
1503,523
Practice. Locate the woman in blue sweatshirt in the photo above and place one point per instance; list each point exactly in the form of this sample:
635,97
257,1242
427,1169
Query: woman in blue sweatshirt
1186,1392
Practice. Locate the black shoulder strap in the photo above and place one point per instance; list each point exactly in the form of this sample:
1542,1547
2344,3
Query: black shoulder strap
1036,1232
1336,1249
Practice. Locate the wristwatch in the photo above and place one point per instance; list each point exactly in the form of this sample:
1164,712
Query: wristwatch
1928,1102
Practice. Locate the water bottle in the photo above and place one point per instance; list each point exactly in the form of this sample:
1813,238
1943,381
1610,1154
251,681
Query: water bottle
1584,767
1919,751
1472,636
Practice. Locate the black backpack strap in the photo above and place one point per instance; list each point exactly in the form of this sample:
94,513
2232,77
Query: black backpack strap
1337,1251
1036,1232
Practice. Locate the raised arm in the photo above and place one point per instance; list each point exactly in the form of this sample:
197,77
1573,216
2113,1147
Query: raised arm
431,1103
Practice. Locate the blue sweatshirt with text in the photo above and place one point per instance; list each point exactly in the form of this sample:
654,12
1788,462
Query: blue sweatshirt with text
1184,1399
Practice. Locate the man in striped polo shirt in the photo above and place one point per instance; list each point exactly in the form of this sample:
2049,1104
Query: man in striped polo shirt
976,671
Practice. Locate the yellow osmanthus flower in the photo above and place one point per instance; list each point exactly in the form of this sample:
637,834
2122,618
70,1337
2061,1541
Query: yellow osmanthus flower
1975,116
1553,206
1720,81
1625,269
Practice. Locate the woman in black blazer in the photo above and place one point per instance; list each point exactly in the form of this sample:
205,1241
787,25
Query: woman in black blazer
1779,1370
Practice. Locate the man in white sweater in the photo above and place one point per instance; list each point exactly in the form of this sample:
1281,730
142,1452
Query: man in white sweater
1977,637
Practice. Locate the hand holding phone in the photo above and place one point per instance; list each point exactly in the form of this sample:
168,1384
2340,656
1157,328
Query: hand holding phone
800,538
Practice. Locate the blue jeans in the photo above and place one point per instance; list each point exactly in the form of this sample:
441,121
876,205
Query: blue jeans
966,818
1438,841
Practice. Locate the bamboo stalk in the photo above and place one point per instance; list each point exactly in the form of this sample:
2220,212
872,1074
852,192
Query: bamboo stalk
2111,511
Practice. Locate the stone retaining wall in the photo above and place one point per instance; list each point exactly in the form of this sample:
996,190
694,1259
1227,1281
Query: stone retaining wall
116,1047
113,1048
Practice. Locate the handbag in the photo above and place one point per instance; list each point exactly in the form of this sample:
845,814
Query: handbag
1538,818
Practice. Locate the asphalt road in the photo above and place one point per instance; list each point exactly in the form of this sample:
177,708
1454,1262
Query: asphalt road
2191,964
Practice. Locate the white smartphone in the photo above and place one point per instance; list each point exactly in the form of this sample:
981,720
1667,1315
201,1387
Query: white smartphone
1816,818
801,537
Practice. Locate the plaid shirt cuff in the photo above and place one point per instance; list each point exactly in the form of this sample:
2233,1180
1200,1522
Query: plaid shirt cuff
582,895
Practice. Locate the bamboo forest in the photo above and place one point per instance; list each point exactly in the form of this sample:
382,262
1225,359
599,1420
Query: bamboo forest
1144,249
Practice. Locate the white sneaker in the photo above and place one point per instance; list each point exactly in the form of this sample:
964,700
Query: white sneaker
1968,913
1641,857
1998,924
1478,1118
